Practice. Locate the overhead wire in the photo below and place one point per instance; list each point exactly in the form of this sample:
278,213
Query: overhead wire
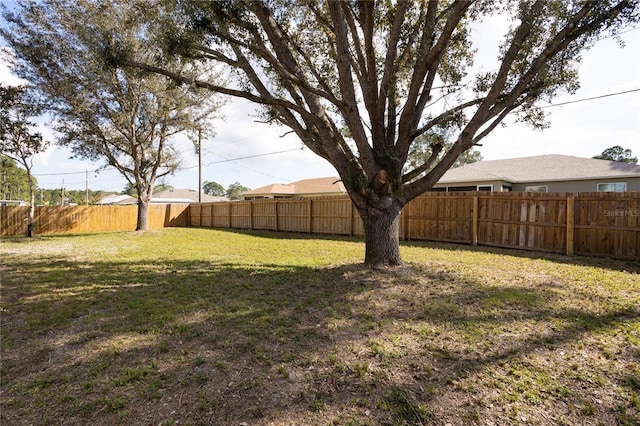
225,160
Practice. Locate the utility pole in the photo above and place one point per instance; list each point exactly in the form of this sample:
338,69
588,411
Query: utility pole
86,185
199,166
62,193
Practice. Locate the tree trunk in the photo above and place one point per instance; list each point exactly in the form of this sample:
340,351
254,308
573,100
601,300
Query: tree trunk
32,206
143,214
382,236
30,220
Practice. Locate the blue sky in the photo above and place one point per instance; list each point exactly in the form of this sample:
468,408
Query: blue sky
581,129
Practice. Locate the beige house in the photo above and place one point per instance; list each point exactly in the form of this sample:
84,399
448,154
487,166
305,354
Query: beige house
172,195
319,187
168,196
544,173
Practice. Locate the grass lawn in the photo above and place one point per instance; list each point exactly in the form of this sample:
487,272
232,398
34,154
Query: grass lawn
200,326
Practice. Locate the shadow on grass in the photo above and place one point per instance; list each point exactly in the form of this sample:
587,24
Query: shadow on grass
632,266
224,343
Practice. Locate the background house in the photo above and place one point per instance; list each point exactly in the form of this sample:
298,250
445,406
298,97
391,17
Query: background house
168,196
544,173
117,200
319,187
172,195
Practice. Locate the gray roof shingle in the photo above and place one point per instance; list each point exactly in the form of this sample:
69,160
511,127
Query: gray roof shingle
540,168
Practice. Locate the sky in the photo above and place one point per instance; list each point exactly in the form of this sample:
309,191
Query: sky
581,128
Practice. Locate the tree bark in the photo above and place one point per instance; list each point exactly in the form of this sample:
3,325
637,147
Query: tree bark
32,207
382,235
143,215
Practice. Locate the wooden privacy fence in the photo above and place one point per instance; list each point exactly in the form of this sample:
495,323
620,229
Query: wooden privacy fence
84,219
334,215
593,224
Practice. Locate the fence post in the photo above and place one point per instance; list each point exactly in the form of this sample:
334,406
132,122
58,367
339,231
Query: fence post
310,216
351,208
474,222
251,215
277,223
570,223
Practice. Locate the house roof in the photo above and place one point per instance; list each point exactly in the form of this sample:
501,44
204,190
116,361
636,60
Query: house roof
184,195
540,168
325,185
167,196
120,199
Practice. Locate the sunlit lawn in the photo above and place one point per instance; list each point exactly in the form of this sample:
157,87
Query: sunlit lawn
200,326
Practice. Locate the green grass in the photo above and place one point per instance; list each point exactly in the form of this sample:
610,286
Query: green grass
201,326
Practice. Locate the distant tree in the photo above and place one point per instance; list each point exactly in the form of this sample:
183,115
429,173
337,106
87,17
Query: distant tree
14,183
213,188
75,196
18,140
53,197
102,112
235,190
618,153
130,189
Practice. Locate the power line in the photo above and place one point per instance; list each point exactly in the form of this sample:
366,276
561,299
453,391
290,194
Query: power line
252,156
60,174
225,160
592,98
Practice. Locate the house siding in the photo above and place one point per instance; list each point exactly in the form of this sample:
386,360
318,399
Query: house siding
591,185
496,184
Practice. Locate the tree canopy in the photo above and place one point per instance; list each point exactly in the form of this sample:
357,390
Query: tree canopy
618,153
213,188
235,190
18,140
124,117
14,183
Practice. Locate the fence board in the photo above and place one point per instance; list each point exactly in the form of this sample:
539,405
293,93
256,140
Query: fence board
85,219
293,215
241,214
608,224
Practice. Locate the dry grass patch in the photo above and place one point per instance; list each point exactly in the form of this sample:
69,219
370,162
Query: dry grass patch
196,326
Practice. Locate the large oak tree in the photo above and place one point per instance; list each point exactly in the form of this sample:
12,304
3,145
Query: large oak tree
123,116
360,82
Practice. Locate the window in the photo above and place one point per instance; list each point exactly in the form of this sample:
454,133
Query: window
461,188
506,188
536,188
612,187
487,188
